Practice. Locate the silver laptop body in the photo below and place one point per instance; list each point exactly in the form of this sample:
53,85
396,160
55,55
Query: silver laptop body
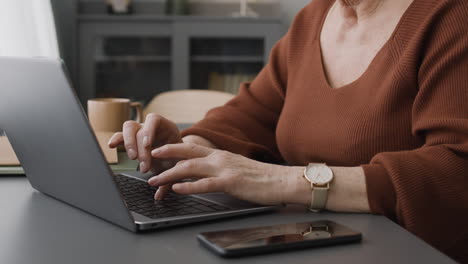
51,136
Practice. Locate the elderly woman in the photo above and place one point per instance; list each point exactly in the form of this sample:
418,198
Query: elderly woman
367,103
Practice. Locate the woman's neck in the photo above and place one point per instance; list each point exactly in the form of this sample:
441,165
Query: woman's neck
355,10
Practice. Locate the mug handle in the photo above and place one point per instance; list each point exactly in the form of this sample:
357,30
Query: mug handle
139,111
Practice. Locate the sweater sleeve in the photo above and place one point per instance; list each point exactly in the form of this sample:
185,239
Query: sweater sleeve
246,125
425,189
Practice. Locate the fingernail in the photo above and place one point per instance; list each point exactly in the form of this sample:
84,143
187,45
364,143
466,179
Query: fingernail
143,167
152,181
156,151
157,196
109,143
145,141
175,187
131,154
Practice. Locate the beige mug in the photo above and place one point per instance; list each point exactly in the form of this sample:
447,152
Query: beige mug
109,114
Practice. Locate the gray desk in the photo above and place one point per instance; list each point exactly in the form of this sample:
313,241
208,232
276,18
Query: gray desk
35,228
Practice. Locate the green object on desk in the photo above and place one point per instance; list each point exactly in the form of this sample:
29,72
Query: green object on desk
125,164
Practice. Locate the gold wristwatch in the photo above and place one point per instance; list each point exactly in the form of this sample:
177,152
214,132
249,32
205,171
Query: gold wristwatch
319,175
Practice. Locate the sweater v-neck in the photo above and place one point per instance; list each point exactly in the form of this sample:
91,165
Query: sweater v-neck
385,47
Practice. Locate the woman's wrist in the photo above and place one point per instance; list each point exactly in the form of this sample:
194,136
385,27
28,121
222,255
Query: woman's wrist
297,190
347,191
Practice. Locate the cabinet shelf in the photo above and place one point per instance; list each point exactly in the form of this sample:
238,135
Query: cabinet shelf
227,59
127,58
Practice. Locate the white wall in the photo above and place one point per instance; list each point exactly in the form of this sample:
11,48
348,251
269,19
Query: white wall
291,7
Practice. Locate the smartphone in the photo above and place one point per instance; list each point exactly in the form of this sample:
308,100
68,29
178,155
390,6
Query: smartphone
259,240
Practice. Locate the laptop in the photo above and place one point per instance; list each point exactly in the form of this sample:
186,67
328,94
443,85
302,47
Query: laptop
52,138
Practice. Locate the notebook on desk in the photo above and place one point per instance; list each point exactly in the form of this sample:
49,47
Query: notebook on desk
8,157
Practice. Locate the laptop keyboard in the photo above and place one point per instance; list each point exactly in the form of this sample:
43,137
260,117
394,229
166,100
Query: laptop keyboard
139,197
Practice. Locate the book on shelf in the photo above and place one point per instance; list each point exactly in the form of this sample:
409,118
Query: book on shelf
230,82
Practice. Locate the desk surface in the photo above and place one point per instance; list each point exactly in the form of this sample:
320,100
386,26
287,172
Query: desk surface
35,228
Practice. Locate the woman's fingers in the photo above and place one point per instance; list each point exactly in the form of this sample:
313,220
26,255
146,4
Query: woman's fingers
149,130
193,168
156,131
116,140
181,151
139,139
130,130
145,139
162,192
206,185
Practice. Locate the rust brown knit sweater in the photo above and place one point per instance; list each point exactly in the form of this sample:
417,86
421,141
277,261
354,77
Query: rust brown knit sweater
405,120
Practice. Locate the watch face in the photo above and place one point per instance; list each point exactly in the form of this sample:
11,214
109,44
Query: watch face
320,174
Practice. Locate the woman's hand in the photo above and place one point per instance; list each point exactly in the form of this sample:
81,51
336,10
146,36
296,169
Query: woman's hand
221,171
140,139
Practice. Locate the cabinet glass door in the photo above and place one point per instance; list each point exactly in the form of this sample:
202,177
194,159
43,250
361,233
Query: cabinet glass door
132,67
224,63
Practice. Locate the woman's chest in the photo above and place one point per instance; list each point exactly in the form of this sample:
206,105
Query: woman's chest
345,126
345,60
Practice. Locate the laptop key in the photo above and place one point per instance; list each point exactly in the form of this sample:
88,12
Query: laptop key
194,210
181,206
183,212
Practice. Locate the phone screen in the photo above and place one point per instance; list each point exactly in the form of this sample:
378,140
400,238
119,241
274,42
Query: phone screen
279,235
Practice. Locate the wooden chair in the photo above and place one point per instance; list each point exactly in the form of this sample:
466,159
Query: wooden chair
186,106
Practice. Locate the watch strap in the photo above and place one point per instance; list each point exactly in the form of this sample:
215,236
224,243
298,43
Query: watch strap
319,198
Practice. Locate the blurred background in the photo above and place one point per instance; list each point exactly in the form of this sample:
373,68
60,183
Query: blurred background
138,49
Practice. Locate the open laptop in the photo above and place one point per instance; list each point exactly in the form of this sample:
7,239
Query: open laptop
51,136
